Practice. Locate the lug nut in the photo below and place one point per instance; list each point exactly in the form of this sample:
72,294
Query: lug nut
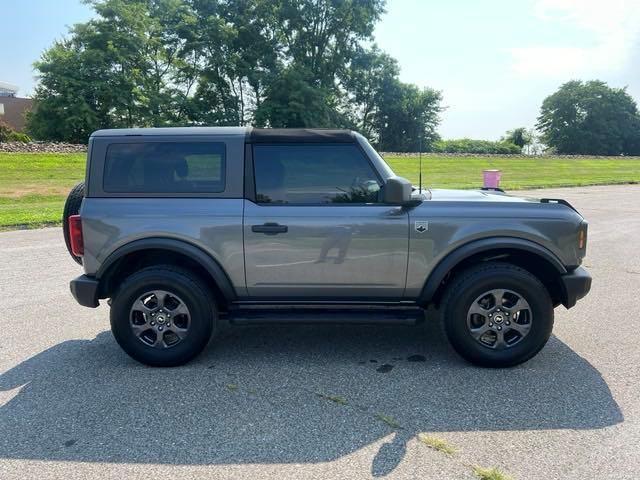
160,328
153,324
506,313
499,328
490,315
491,324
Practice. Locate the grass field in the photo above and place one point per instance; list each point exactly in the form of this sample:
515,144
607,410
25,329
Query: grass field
33,186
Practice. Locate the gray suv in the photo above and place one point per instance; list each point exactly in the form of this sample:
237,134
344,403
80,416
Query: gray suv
180,227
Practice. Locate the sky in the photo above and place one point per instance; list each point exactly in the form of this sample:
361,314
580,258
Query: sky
493,60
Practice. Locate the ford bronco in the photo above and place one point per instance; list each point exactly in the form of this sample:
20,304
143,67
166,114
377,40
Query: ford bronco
180,227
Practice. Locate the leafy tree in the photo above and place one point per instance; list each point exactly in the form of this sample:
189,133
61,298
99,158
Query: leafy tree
406,117
590,118
277,63
370,73
68,107
117,70
518,136
291,101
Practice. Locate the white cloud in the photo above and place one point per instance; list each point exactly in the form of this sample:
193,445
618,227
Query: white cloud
612,29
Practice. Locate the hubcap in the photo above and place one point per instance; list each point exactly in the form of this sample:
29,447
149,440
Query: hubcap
160,319
499,319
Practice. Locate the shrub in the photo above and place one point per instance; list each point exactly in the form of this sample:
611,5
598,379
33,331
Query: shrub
19,137
468,145
5,132
8,134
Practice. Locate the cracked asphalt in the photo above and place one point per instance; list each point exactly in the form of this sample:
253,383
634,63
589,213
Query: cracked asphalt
321,402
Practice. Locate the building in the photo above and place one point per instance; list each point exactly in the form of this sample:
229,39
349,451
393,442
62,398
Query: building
12,108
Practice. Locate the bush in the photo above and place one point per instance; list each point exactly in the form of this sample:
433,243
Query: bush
468,145
5,132
8,134
19,137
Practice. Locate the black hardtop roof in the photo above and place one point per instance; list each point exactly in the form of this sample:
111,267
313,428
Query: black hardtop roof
296,135
252,135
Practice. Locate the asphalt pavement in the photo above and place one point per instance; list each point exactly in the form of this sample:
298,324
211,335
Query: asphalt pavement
321,402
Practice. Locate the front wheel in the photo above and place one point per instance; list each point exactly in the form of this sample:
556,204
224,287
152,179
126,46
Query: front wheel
163,316
497,315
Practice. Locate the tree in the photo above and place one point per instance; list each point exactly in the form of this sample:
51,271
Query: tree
590,118
274,63
518,136
406,117
120,69
370,73
68,107
396,116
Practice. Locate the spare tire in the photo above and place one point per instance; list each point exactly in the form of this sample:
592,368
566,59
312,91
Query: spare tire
72,207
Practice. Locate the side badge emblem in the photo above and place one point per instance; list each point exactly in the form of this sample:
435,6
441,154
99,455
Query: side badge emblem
422,226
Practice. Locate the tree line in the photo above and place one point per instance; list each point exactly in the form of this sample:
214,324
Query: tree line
284,63
279,63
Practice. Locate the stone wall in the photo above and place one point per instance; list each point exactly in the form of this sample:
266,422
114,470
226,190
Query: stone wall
41,147
54,147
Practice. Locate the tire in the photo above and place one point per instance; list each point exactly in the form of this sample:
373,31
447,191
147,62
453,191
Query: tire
528,329
72,207
146,344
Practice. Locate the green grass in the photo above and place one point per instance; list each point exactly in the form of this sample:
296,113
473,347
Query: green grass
33,186
390,421
436,443
490,474
518,172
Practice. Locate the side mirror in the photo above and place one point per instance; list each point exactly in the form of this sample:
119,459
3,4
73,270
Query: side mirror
397,191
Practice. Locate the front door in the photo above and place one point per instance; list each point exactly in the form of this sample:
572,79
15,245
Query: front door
317,230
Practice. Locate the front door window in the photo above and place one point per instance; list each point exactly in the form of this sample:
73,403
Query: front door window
314,175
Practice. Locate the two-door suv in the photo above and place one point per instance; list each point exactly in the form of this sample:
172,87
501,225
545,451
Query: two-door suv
179,227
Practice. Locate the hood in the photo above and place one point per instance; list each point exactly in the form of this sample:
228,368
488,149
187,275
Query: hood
444,195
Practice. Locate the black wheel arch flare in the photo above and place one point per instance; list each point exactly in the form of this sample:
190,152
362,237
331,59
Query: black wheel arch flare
464,252
181,247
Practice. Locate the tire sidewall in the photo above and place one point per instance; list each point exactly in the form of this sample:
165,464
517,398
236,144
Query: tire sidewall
201,309
517,281
72,207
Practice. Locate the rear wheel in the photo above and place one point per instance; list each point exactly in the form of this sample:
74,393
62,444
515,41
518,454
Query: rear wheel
72,207
163,316
497,315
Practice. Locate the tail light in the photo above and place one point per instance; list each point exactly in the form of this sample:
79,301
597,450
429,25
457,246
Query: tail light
75,235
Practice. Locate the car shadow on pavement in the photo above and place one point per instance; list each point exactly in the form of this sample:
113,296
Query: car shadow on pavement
281,394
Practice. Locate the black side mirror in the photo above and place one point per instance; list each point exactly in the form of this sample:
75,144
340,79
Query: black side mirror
397,191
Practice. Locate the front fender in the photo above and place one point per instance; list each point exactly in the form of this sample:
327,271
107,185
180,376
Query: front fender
454,258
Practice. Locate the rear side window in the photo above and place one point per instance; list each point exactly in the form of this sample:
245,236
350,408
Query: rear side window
313,174
165,167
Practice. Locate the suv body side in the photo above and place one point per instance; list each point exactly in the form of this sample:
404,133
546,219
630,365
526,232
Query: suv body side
394,259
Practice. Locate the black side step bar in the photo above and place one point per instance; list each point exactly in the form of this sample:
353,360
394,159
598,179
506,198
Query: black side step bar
335,315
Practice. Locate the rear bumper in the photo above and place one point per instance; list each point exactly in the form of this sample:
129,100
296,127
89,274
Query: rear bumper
577,284
85,290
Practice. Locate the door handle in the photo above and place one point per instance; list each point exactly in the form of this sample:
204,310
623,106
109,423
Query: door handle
270,228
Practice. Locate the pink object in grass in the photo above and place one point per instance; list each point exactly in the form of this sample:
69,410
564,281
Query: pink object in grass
491,178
